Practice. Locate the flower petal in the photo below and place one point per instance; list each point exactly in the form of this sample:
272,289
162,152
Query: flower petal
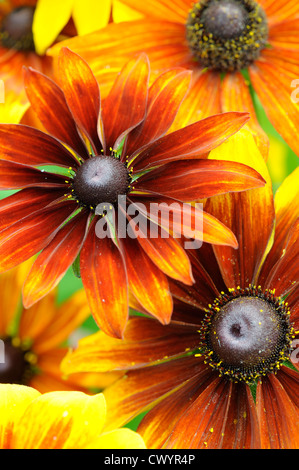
31,234
26,145
281,110
284,275
51,265
101,353
125,106
16,176
160,9
142,388
198,179
279,10
14,400
25,202
105,280
82,94
242,213
118,439
55,420
48,12
202,100
91,15
228,419
48,102
278,417
235,96
147,283
287,211
164,99
193,141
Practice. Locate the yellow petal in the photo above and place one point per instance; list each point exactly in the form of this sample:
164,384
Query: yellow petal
50,18
118,439
14,399
58,420
91,15
122,12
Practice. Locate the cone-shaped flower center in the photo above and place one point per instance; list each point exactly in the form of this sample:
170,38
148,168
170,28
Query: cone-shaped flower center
226,35
15,365
16,29
247,336
101,179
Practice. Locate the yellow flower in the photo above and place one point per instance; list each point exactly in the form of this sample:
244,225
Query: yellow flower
88,16
58,420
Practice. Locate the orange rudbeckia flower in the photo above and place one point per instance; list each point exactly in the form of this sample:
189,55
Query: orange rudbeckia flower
215,39
27,29
223,373
34,341
101,152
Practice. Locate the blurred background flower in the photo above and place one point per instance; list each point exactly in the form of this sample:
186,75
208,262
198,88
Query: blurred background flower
58,420
35,340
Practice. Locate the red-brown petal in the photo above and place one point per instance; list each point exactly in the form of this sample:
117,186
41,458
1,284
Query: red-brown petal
147,282
25,202
16,175
81,91
164,99
198,179
48,102
24,144
278,417
125,106
51,265
192,141
31,234
105,280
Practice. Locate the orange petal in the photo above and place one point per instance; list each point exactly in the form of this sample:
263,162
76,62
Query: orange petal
82,94
105,281
48,102
242,213
278,417
125,106
281,110
147,283
165,97
235,96
53,262
161,9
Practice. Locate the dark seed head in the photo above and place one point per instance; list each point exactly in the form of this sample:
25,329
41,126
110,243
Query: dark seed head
226,35
16,29
100,179
226,19
14,367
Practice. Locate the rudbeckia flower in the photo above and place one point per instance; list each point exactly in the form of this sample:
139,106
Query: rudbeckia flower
215,39
58,420
125,142
34,341
223,373
28,27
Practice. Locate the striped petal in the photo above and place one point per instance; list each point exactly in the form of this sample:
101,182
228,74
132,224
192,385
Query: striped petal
26,145
125,106
105,280
16,176
82,94
53,262
49,103
31,234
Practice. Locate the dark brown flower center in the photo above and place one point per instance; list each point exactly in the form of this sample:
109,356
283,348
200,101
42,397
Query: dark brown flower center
15,365
226,35
16,29
246,336
101,179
